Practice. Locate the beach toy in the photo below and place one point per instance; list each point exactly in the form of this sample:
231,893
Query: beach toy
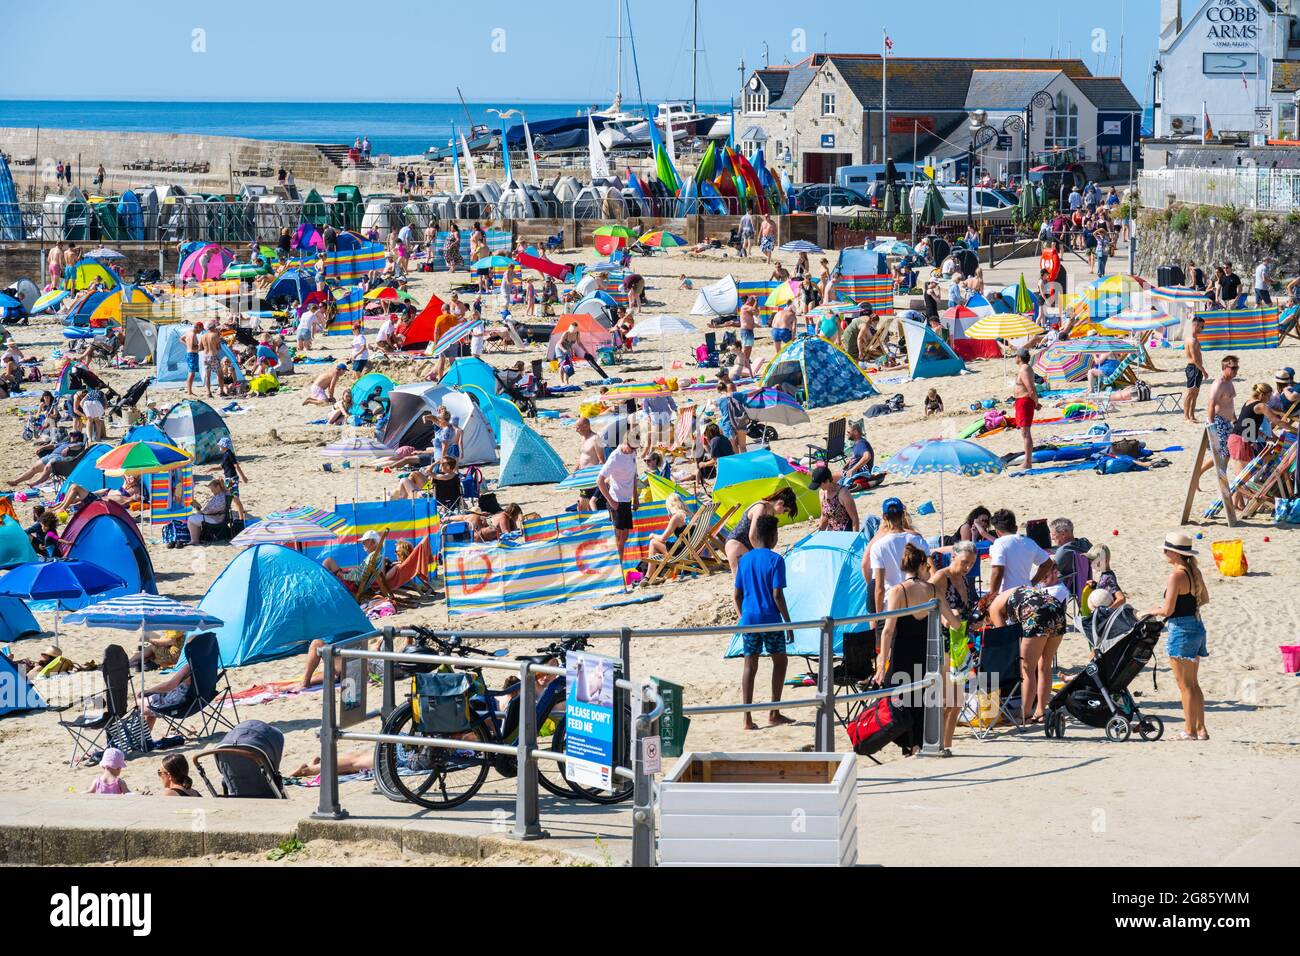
1290,658
1230,557
988,403
1199,535
974,406
20,496
1115,532
328,466
346,463
925,508
1266,539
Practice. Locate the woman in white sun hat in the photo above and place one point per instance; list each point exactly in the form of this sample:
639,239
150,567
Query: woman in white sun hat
1185,594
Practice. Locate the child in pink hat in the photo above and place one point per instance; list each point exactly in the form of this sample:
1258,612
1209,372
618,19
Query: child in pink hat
110,780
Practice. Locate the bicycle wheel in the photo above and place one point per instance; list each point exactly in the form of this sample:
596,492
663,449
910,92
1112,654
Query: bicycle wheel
550,773
622,786
433,777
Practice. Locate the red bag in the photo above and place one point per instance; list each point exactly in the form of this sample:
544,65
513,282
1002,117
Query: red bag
880,724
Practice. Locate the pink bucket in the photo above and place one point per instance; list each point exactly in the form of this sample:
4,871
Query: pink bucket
1290,658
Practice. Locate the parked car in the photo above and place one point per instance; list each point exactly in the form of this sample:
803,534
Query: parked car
812,197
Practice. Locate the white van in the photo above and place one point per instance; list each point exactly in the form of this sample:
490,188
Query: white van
985,203
860,177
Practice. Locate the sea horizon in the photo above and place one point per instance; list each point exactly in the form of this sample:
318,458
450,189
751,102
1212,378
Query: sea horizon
399,128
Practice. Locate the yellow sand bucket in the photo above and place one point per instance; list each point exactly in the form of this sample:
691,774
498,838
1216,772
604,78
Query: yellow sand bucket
1230,557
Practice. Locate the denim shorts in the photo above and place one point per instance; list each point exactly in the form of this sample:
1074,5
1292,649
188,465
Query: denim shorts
764,642
1186,639
747,337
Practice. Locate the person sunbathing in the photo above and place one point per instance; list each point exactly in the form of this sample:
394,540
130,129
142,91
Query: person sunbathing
493,527
49,456
677,519
350,578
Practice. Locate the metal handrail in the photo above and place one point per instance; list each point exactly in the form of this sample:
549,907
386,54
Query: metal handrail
928,681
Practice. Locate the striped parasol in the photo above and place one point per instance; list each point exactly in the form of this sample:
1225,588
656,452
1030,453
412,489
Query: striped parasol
1140,320
1058,365
582,478
779,296
358,446
282,531
801,245
142,458
48,300
1006,325
1177,293
1096,345
308,513
834,309
455,334
774,406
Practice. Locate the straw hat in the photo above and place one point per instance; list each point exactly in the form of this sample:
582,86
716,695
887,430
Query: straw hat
1180,543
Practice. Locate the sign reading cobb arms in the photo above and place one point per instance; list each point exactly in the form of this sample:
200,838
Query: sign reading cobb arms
1233,24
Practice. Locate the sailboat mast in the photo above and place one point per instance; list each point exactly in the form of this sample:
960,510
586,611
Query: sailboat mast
695,55
618,71
466,108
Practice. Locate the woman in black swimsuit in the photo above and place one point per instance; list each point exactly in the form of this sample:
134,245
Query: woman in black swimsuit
744,539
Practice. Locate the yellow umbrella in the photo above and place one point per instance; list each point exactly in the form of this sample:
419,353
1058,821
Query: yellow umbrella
780,296
1006,325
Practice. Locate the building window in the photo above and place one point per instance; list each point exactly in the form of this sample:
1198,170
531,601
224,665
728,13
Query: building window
828,104
748,148
1062,124
756,102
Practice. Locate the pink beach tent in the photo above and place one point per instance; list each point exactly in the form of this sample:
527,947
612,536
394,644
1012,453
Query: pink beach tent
207,262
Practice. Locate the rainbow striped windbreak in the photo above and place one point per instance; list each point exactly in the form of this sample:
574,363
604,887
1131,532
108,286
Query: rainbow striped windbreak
878,290
508,575
1239,329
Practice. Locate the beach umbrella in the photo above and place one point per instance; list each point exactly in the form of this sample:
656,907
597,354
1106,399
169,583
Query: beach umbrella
1056,364
357,446
959,312
493,262
834,309
649,325
659,239
103,254
307,513
615,230
582,479
58,580
1024,299
797,246
893,247
934,208
1111,294
9,302
382,292
142,458
1096,345
774,406
144,613
1006,325
607,239
284,531
1140,320
244,270
637,390
744,479
904,202
455,334
48,300
944,456
1163,293
890,207
1028,202
779,296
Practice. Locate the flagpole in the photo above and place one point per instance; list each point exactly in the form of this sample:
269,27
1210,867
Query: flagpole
884,98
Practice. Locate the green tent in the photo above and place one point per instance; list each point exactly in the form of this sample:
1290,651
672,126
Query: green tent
347,209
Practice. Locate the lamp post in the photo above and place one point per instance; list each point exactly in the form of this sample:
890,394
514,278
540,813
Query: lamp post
1155,76
981,134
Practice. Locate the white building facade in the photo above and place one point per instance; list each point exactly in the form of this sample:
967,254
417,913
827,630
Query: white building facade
1231,61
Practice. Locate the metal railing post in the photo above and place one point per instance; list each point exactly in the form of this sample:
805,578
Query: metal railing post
625,651
527,825
389,701
643,811
934,693
328,807
824,732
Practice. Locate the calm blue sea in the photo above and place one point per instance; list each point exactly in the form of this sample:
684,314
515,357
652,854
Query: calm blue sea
401,129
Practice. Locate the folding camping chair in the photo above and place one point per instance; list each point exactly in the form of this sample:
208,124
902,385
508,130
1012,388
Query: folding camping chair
206,697
88,727
998,672
407,583
834,449
447,493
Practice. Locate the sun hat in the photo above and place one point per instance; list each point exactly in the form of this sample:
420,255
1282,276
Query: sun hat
820,475
1286,374
224,444
1180,543
892,507
113,759
1097,551
371,535
342,366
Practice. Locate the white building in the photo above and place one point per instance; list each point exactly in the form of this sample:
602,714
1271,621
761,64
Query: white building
1233,61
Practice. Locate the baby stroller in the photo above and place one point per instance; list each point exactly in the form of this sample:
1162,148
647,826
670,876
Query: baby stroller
248,760
130,398
1099,696
80,377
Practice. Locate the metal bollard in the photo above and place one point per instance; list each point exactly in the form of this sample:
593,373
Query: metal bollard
389,702
328,808
527,825
824,731
934,667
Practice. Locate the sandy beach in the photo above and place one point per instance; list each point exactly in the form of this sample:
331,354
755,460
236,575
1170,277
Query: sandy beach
1252,706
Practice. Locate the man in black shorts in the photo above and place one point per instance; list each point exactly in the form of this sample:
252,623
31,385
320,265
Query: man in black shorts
617,484
1195,369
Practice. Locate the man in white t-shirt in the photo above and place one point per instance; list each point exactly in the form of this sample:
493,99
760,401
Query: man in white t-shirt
384,337
617,483
1012,556
885,553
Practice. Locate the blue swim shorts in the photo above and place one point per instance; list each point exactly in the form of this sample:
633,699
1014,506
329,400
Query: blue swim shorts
764,642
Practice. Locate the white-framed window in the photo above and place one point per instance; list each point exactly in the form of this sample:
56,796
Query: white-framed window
756,101
1062,124
748,148
828,104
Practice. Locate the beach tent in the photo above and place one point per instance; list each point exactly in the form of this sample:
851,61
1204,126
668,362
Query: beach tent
108,226
818,373
98,309
15,547
401,519
24,696
275,602
314,210
85,272
823,574
104,533
130,215
87,474
26,292
928,355
76,216
477,379
592,336
363,387
16,621
408,402
428,324
718,299
291,285
526,458
173,367
206,262
597,305
195,428
744,479
139,339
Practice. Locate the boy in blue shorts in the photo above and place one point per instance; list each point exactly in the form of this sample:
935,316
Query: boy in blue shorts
760,599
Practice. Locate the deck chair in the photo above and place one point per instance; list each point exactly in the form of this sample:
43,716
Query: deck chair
1122,376
407,582
248,760
834,449
877,345
998,672
686,555
207,696
369,572
88,727
715,544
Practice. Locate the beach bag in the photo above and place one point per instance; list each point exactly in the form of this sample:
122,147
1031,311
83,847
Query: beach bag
176,532
879,724
264,384
1286,511
440,703
1126,446
961,658
1116,465
1141,391
1230,557
994,419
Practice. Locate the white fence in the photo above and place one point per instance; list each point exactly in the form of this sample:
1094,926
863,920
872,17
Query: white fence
1271,190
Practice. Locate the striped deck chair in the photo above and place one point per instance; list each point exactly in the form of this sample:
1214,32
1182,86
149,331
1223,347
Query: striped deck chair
1122,376
686,555
370,579
409,581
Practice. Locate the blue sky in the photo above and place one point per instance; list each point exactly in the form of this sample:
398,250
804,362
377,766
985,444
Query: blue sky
421,50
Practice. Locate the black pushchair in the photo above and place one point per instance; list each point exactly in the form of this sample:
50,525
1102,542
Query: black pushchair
1099,696
80,377
513,392
130,398
248,759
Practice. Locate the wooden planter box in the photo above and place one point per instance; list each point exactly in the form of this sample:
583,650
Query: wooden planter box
757,809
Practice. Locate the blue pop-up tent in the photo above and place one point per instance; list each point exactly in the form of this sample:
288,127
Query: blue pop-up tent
526,458
928,355
16,621
477,379
15,547
818,373
24,696
823,575
275,602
